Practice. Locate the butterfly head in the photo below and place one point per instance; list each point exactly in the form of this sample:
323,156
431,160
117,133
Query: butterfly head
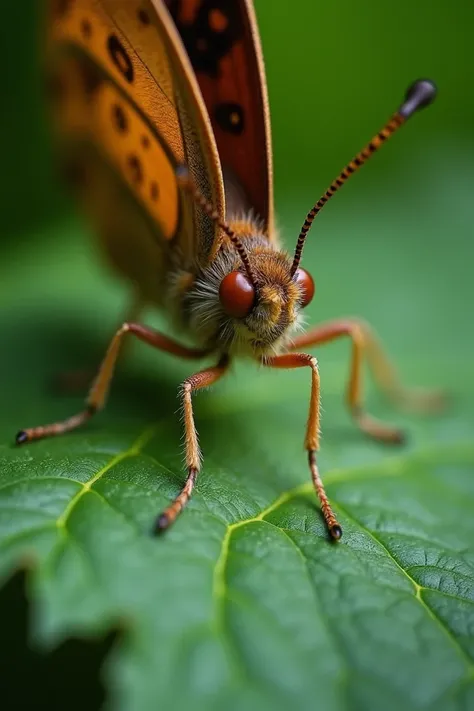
248,301
254,308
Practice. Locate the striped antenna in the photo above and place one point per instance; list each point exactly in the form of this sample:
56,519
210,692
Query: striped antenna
185,181
420,94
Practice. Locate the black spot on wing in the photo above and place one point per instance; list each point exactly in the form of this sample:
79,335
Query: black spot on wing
230,117
120,58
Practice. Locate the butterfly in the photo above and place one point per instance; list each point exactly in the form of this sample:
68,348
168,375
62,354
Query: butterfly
161,115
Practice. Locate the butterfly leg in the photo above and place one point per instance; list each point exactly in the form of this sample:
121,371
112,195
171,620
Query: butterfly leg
203,379
365,344
311,443
100,387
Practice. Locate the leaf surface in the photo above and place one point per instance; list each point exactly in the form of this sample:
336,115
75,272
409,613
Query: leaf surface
245,603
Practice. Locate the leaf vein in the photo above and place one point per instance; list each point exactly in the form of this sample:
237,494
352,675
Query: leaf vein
468,661
134,450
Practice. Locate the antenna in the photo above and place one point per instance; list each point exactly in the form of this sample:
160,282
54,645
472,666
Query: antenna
420,94
185,181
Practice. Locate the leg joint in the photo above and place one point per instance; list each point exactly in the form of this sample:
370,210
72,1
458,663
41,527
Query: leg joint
186,387
309,360
357,329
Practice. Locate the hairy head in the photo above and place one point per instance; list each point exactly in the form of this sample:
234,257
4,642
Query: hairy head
229,312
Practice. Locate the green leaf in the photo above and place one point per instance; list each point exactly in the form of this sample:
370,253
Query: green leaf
245,603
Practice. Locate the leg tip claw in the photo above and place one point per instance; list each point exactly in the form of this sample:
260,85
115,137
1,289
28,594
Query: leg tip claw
400,437
161,524
21,437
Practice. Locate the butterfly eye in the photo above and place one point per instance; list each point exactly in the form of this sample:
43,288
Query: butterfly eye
306,283
237,295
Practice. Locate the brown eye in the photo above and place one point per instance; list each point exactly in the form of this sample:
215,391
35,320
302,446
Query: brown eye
237,295
306,283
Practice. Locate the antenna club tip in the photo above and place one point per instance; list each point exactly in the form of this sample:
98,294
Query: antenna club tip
418,95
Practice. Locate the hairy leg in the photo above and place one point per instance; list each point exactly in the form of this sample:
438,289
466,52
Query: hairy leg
366,345
195,382
311,442
100,387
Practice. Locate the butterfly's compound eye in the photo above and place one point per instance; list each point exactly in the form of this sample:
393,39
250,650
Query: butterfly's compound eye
306,284
237,295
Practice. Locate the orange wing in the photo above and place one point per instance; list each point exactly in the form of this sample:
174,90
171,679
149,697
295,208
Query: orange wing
128,109
223,44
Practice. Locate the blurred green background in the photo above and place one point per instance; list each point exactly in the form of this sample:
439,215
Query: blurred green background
335,72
